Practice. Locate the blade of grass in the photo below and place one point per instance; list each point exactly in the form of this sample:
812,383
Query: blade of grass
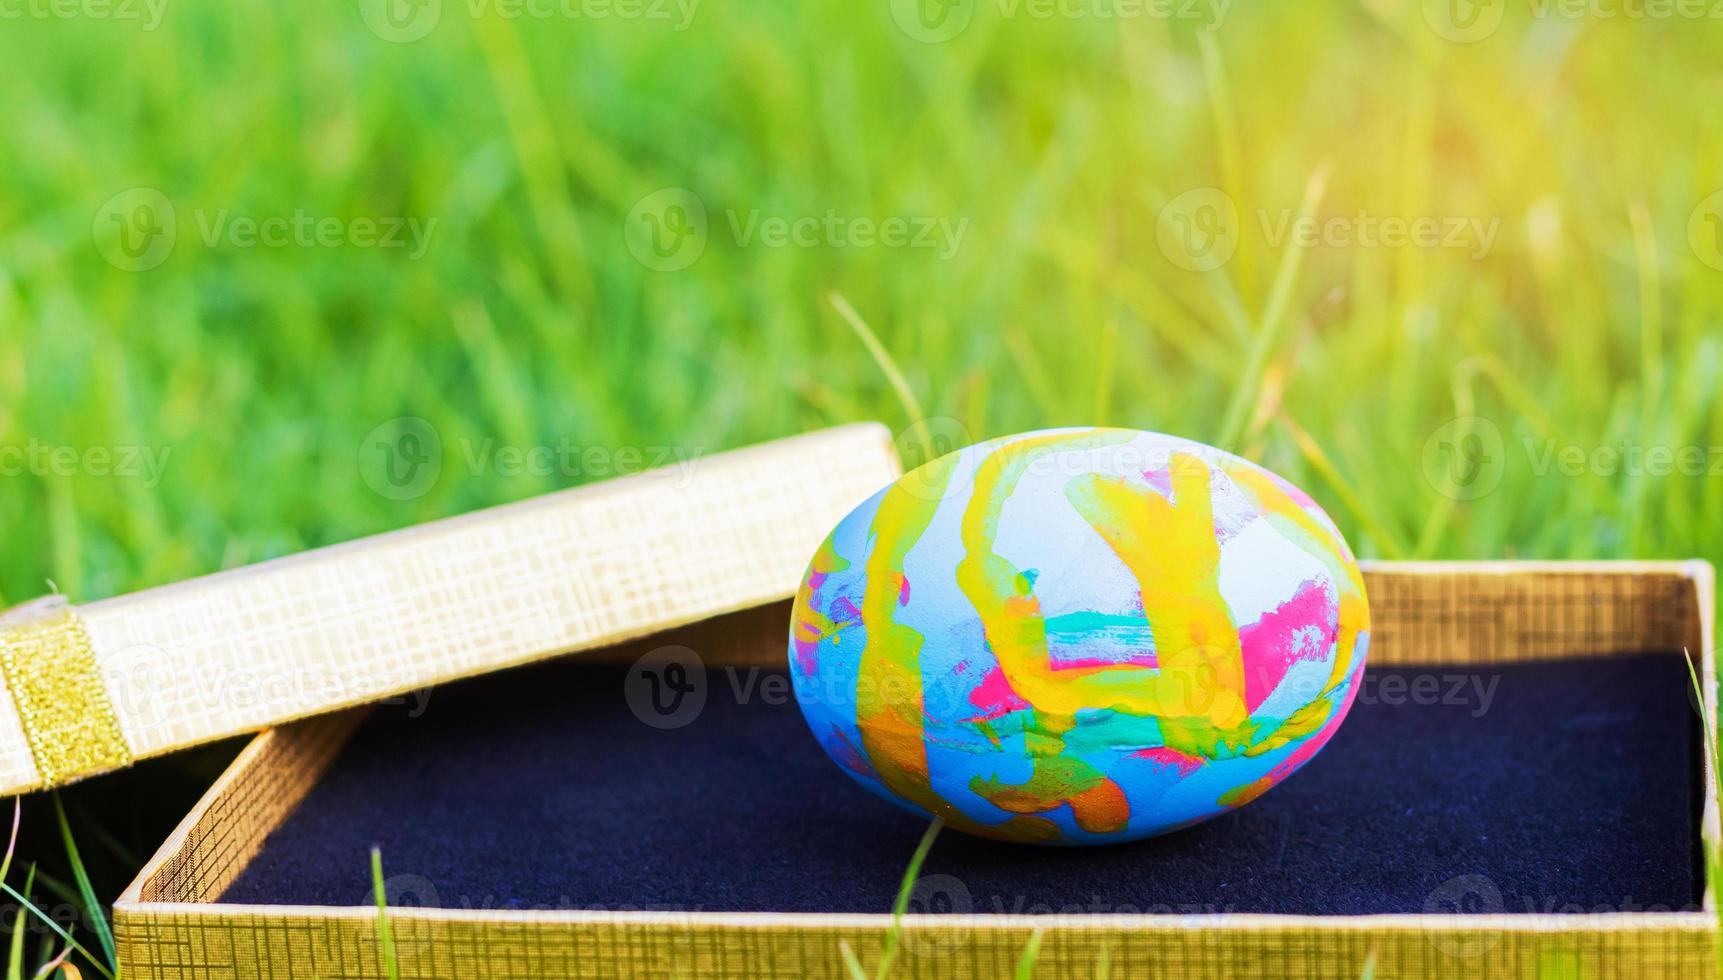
69,971
1713,847
51,885
12,843
1221,289
904,890
1041,387
98,917
385,935
1104,964
108,842
1465,409
15,954
851,963
57,929
1711,745
1369,967
1031,954
1232,309
45,949
1512,387
1104,372
882,357
1650,357
1273,318
1227,140
1386,539
538,158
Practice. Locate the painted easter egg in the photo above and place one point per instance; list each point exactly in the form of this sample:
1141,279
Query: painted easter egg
1079,636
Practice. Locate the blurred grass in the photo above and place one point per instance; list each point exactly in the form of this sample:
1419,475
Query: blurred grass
259,370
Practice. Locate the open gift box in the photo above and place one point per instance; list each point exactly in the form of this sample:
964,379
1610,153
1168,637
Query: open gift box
1520,791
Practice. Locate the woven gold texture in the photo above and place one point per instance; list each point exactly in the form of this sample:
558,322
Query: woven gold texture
348,625
186,944
169,928
68,721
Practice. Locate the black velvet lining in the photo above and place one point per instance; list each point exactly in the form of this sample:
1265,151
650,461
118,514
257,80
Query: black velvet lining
1551,787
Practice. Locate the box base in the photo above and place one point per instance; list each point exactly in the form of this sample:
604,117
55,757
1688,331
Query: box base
1547,787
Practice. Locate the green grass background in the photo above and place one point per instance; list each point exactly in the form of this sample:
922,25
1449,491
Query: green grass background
1592,322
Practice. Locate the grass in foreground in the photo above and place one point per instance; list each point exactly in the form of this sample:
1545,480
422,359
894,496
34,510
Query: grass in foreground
1713,751
385,932
29,915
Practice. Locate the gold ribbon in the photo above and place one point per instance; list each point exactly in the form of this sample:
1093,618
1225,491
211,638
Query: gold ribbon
50,667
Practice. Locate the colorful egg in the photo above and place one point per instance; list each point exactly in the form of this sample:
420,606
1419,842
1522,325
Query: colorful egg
1079,636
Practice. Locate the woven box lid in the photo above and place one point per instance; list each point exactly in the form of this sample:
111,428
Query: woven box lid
93,688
